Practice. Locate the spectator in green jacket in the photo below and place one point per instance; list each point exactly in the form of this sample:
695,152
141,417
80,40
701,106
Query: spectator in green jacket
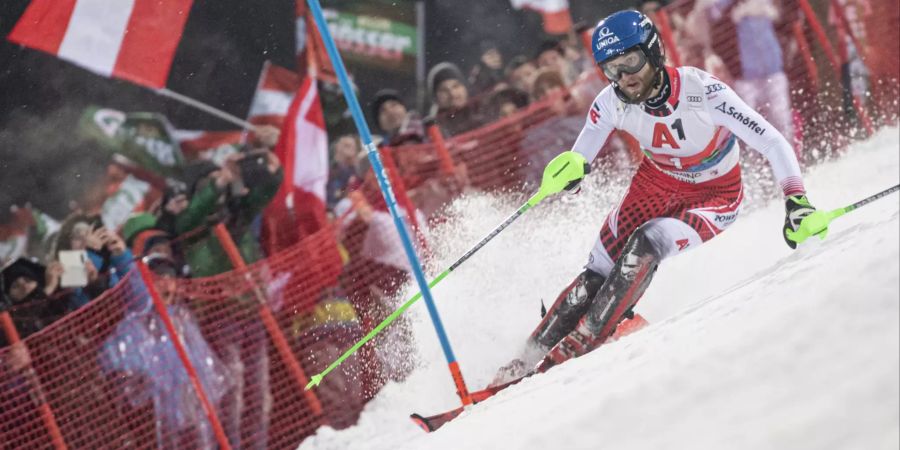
234,194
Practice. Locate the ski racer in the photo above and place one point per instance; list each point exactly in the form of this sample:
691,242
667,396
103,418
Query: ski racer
686,190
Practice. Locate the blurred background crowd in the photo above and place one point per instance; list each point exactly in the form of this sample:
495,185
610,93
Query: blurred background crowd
87,192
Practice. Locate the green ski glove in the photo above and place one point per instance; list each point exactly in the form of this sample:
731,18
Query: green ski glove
797,209
573,187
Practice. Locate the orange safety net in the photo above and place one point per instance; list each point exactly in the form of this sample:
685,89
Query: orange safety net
111,377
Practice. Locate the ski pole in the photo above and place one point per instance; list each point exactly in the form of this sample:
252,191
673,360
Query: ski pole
565,168
817,222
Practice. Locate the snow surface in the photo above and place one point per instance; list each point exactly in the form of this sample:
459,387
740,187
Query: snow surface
751,345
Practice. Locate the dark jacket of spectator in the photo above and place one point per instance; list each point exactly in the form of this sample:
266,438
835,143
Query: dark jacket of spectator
31,295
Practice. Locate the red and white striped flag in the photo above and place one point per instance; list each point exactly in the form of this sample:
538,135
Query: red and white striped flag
214,146
555,13
303,145
134,40
273,96
299,208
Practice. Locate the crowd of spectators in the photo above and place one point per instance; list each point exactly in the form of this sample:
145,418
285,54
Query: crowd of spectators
77,260
69,264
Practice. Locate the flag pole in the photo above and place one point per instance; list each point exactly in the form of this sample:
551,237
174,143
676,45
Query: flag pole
205,108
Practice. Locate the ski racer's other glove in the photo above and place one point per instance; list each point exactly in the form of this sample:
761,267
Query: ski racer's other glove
574,186
796,208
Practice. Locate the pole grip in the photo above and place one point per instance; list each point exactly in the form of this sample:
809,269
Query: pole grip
440,146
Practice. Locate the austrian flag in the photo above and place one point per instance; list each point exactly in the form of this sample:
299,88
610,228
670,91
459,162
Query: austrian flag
134,40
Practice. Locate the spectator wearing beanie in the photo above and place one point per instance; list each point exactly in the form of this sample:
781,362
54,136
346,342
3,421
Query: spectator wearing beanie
135,224
450,96
487,73
395,122
30,291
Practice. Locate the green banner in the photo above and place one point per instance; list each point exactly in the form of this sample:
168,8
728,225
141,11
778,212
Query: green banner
384,39
141,139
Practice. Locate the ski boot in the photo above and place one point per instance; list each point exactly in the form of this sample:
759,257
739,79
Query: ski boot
614,302
564,314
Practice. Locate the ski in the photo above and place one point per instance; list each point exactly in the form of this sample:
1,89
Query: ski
432,423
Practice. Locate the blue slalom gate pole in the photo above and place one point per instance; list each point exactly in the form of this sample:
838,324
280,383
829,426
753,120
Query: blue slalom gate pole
389,198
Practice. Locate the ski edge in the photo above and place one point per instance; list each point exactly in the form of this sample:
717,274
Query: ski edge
433,422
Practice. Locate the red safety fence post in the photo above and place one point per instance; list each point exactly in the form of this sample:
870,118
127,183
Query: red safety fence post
268,319
820,36
839,11
811,69
437,138
665,29
387,158
832,57
12,336
160,307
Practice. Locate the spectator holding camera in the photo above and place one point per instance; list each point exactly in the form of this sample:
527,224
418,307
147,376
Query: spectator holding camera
174,201
94,257
234,194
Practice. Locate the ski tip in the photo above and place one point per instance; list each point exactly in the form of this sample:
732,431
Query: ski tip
421,422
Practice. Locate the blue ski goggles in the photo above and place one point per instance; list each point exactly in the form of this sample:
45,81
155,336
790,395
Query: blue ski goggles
630,62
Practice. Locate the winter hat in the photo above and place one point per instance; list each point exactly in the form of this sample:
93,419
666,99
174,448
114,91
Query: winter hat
135,224
442,72
381,97
145,240
22,267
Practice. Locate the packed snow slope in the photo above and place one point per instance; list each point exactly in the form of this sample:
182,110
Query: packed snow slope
751,345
